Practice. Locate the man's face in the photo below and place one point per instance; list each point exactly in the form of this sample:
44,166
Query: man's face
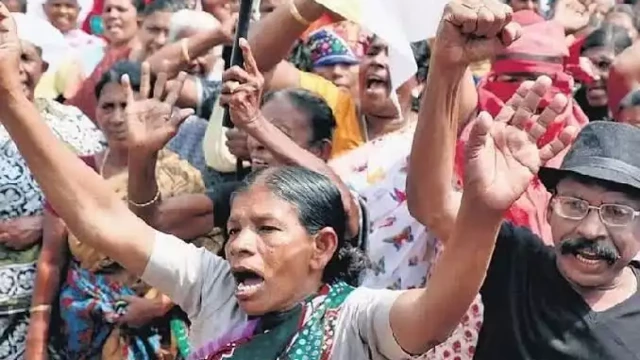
590,253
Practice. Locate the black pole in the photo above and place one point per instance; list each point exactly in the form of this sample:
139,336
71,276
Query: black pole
233,56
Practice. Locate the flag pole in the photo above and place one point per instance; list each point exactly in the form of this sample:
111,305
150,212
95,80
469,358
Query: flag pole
233,56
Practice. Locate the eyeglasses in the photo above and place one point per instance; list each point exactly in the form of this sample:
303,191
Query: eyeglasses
614,215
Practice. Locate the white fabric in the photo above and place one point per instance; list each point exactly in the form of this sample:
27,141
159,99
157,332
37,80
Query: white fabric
202,285
398,23
42,34
216,152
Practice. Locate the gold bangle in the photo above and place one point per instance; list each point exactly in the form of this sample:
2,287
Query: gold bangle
150,202
184,43
40,308
293,9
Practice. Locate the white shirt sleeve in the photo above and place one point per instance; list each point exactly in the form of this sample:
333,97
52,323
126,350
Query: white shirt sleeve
368,311
188,275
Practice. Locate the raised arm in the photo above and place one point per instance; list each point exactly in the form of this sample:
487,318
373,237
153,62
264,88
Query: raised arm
420,319
502,159
84,200
186,216
242,90
273,37
175,57
449,102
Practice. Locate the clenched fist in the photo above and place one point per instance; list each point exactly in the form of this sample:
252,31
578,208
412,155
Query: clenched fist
474,30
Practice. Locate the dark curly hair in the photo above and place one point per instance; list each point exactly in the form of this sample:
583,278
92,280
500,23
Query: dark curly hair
319,206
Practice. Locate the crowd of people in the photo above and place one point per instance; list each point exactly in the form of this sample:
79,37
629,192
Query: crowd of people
488,208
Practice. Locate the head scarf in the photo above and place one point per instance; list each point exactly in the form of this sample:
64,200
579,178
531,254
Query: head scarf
328,48
541,49
43,35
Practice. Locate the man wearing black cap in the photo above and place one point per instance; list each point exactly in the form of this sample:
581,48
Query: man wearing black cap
577,299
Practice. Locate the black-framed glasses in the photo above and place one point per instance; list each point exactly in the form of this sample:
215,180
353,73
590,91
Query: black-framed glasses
615,215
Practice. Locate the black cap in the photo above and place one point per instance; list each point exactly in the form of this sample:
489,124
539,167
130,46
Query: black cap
603,150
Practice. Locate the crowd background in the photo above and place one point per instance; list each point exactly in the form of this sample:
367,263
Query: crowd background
326,89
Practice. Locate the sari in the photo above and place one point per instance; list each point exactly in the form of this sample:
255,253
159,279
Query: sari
305,332
90,298
402,250
21,196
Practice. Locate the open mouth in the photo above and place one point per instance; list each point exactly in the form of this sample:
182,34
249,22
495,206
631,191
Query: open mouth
374,82
592,259
259,163
248,282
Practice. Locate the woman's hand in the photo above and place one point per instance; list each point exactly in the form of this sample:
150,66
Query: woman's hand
227,29
153,121
10,52
21,233
237,143
140,311
37,338
242,89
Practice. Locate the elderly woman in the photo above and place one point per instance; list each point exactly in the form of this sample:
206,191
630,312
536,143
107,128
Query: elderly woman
101,303
21,212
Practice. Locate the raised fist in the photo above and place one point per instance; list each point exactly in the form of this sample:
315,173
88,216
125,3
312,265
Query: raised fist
474,30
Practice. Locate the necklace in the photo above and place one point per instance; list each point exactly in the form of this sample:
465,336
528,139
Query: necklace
104,162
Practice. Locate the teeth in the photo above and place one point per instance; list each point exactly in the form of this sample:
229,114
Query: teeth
587,261
242,287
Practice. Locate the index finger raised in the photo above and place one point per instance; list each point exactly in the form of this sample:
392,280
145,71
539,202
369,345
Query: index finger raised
250,64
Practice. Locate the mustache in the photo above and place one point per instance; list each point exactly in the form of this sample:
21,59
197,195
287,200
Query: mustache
600,247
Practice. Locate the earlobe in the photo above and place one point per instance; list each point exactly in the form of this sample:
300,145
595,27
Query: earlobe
325,245
324,150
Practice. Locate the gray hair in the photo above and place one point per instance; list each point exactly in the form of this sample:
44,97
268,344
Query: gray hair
190,20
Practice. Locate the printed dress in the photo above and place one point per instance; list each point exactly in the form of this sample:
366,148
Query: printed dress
21,196
401,249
